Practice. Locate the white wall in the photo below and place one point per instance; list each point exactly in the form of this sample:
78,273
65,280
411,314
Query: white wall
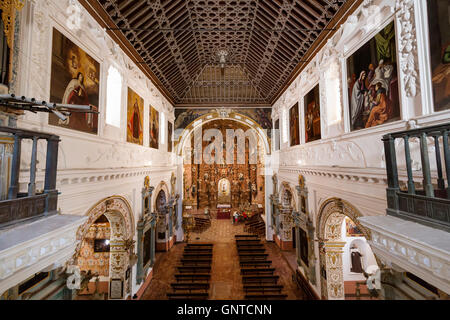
91,167
351,165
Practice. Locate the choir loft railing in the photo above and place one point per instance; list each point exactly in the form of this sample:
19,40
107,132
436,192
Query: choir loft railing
431,205
31,204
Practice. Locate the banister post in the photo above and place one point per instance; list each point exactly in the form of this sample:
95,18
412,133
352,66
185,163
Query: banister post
15,169
391,172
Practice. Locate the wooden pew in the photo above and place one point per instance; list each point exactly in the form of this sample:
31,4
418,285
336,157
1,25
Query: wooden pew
252,288
192,277
255,250
196,262
199,245
190,296
196,255
265,296
255,263
253,256
250,246
247,242
245,236
194,269
257,271
260,279
189,286
199,249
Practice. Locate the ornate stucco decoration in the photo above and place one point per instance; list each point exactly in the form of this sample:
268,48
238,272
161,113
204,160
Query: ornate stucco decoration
331,153
332,213
408,45
302,220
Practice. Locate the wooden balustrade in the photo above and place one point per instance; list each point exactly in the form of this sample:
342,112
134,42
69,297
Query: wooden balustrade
21,206
431,205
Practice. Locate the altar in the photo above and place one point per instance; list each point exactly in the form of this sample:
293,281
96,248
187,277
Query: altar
223,211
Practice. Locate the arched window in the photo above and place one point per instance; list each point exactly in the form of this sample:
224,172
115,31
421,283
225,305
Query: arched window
285,126
113,97
163,128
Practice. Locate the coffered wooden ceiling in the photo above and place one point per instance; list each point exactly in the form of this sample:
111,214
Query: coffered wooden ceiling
179,43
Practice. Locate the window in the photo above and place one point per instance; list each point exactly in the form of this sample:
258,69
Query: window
113,97
277,134
285,126
163,128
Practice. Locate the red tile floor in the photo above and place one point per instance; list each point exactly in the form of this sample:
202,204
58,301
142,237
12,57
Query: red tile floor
226,283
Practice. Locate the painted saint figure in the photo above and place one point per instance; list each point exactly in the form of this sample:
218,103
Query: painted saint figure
136,123
359,94
75,93
381,110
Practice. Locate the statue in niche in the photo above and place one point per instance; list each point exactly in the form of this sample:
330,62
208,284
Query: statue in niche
355,256
275,183
287,198
173,180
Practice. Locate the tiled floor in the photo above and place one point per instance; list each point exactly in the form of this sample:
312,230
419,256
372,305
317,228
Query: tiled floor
226,282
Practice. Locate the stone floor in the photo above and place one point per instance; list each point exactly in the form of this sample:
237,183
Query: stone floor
226,281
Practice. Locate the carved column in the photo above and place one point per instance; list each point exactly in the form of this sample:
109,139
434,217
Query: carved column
334,269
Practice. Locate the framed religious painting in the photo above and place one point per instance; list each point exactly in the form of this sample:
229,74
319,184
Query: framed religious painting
373,85
74,80
312,115
438,27
169,136
352,229
303,246
135,113
154,128
294,131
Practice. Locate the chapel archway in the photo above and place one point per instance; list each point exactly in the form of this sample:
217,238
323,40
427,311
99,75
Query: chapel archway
333,216
114,218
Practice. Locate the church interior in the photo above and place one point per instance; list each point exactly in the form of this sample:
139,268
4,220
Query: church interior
224,150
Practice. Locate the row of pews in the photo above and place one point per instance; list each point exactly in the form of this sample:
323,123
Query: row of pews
258,278
201,224
255,225
192,280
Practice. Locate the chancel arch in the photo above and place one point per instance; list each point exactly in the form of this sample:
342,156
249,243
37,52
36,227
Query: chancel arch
185,135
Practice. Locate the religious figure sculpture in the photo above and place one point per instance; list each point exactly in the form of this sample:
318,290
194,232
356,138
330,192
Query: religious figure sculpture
356,260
